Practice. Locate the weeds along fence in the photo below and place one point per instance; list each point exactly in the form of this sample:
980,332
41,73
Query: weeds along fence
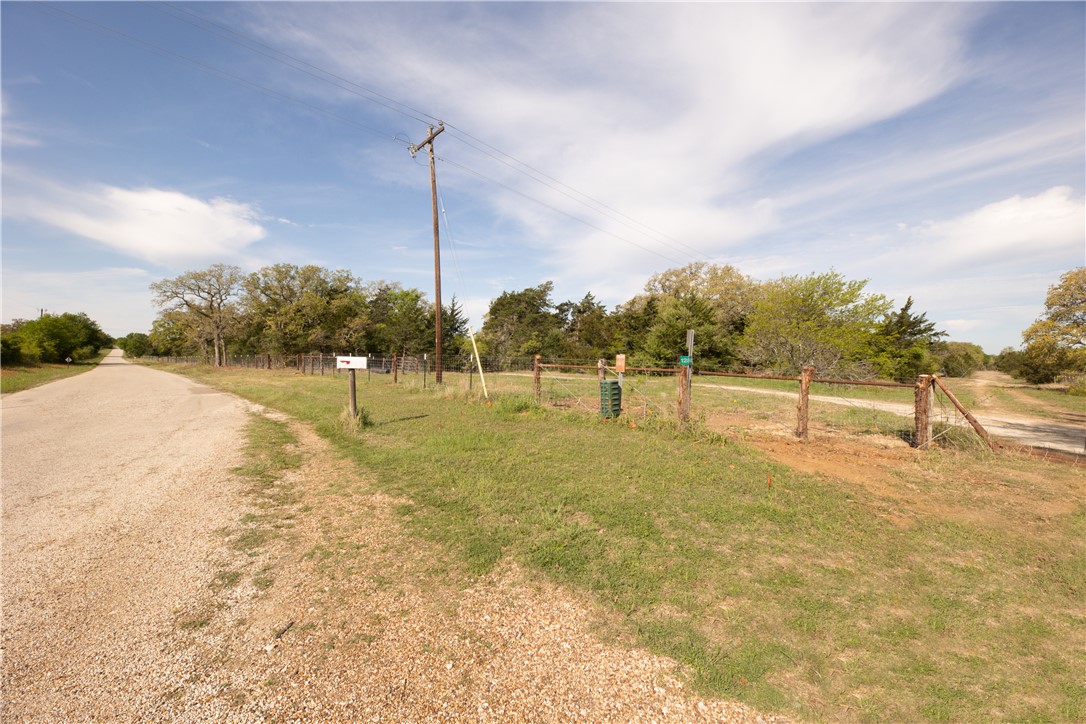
922,413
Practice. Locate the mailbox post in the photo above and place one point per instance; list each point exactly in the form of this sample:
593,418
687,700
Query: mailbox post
351,364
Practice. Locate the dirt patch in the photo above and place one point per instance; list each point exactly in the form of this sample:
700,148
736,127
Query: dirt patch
1007,491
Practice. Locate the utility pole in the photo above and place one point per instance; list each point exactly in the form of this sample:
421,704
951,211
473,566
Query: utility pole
429,143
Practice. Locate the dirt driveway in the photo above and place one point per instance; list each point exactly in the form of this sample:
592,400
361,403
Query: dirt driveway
126,597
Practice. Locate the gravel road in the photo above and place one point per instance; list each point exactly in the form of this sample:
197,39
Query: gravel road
113,482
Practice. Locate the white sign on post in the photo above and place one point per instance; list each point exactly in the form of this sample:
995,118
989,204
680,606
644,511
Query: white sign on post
350,363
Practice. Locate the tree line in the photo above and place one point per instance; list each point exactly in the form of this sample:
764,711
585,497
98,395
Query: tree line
51,338
821,320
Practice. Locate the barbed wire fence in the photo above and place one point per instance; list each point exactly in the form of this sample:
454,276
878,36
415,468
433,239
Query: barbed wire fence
925,413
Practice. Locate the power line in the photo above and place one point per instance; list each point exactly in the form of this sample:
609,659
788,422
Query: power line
555,209
390,103
463,136
572,193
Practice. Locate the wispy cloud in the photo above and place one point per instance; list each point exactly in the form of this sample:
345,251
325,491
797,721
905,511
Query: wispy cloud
657,110
160,226
1018,232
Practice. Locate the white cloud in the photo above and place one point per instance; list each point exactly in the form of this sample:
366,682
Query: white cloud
1043,229
160,226
654,109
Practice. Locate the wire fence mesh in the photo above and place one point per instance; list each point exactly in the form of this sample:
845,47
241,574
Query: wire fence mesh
725,402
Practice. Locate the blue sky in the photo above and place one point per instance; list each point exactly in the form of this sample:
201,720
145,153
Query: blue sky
938,150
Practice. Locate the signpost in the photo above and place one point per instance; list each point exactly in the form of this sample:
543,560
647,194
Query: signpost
351,364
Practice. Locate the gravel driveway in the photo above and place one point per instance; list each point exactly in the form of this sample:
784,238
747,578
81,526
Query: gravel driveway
118,502
113,481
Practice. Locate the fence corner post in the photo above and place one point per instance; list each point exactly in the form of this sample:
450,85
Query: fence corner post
537,384
803,407
922,403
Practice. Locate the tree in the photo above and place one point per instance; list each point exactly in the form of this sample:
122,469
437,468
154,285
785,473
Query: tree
587,329
960,359
821,320
666,339
729,293
55,338
454,328
1056,342
523,323
134,344
632,322
903,344
209,296
291,309
398,319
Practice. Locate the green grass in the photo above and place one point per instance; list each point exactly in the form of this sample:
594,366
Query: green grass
801,598
17,379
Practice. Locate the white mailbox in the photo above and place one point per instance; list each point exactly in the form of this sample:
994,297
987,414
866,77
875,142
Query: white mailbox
351,363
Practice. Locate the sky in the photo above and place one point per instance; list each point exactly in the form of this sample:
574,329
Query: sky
936,150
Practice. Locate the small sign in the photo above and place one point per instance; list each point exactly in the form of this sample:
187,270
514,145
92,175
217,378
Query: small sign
350,363
686,360
68,360
620,363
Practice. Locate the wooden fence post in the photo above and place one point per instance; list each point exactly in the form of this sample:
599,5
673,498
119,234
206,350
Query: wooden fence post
922,399
395,370
537,383
684,393
803,408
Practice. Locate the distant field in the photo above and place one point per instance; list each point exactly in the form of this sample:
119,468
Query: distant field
880,584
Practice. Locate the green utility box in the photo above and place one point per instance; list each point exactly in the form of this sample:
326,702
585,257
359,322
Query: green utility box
610,398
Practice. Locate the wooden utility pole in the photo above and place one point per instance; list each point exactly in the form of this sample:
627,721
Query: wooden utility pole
429,143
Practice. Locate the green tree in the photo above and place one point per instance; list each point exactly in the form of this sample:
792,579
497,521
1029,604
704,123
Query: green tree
398,320
134,344
666,339
209,296
729,293
290,309
903,345
524,323
57,337
632,322
821,320
960,359
1056,343
587,329
454,328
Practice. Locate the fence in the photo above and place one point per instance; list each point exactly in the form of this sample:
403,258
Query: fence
922,413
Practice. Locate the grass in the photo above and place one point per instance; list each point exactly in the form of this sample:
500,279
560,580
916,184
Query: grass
19,378
800,597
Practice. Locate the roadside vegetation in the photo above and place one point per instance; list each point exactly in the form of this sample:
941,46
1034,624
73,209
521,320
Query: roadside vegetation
17,378
54,346
944,589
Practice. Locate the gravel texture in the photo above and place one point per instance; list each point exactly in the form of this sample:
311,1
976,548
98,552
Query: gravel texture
127,597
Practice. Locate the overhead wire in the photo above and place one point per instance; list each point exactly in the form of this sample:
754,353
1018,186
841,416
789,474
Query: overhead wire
378,98
580,197
555,209
421,116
